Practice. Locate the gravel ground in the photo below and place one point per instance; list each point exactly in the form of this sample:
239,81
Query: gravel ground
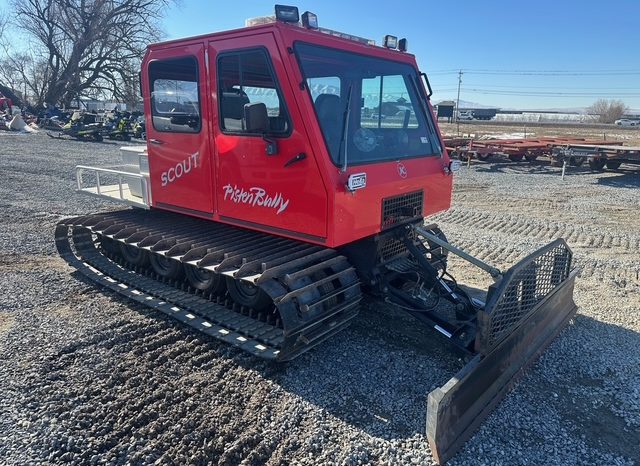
89,378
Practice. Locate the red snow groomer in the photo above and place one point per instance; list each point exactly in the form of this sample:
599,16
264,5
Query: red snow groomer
288,171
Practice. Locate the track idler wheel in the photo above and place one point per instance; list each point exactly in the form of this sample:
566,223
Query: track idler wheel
613,164
134,255
247,294
165,267
205,280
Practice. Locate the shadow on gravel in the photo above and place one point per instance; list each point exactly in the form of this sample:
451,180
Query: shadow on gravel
588,389
153,388
625,178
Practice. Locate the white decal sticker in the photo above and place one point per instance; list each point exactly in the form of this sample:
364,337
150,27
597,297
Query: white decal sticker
424,140
402,170
255,196
356,181
181,169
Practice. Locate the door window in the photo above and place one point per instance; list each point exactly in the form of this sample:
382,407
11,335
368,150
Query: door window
175,100
247,77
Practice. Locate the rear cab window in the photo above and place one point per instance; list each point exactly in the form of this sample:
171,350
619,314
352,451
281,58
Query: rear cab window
175,100
247,77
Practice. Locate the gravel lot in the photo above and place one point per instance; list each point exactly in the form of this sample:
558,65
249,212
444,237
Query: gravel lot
89,378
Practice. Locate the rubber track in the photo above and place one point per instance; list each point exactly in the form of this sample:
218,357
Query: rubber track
315,290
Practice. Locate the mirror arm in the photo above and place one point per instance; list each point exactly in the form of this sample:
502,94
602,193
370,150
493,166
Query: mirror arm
272,145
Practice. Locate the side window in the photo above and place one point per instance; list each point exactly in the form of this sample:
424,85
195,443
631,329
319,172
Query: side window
175,100
387,103
247,77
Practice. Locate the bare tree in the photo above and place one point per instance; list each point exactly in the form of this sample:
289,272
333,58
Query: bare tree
607,111
82,47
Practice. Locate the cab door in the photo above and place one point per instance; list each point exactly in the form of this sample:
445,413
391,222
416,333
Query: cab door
281,192
177,125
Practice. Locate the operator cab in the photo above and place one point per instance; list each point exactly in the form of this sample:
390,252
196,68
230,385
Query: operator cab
288,128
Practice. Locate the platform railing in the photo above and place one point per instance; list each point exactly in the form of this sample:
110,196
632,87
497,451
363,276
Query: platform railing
122,177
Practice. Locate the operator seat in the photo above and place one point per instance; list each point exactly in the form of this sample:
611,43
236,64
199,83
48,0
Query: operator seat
232,109
330,119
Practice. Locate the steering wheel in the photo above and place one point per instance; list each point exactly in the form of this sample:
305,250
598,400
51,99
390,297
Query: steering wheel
365,140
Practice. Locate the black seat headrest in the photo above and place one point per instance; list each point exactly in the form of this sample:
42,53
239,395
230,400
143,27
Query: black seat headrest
233,105
328,107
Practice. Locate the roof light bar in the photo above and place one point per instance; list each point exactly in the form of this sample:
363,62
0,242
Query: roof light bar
310,20
287,14
390,42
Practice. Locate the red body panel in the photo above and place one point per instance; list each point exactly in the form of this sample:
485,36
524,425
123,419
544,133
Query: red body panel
319,208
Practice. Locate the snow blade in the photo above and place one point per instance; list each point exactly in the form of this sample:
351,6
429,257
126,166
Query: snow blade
457,408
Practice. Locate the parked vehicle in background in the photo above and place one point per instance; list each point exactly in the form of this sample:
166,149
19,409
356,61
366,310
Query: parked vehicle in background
465,115
5,103
484,113
627,122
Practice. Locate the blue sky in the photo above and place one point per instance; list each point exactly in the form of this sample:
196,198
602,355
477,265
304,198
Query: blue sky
561,53
538,54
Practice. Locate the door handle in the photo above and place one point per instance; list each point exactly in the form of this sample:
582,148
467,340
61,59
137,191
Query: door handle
156,141
297,158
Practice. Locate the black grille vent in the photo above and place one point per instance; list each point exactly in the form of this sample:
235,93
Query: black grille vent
399,209
389,247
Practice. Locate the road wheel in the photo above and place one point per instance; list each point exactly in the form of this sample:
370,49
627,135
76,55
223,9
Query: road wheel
613,164
109,245
165,267
205,280
484,157
516,157
134,255
248,294
597,164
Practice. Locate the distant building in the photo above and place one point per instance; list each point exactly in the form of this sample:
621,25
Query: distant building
445,109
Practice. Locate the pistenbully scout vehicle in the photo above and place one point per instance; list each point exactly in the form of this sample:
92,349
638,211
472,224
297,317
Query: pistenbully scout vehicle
288,170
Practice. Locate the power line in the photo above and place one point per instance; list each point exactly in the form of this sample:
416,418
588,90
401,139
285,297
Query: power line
600,72
602,89
542,94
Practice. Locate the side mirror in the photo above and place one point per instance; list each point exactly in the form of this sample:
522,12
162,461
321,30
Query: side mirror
256,119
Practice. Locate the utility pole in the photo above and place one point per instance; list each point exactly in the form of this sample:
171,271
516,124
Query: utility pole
458,102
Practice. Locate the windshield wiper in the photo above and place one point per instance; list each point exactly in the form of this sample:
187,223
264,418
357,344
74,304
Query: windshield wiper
345,126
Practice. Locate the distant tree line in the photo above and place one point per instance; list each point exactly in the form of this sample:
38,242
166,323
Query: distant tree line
56,51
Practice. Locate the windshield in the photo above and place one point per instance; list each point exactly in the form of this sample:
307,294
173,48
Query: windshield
369,109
